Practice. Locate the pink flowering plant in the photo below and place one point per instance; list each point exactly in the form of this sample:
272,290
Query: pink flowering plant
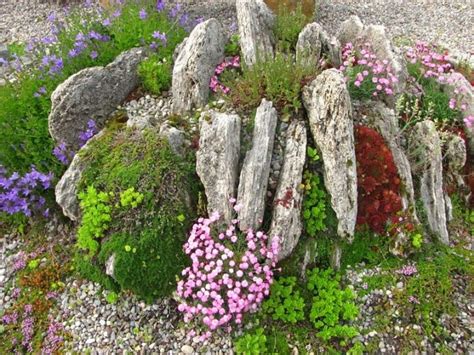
367,75
230,275
215,84
430,67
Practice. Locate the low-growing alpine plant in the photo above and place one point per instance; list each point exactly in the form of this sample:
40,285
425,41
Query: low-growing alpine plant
230,275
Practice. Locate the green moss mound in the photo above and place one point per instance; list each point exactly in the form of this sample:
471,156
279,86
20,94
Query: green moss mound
146,240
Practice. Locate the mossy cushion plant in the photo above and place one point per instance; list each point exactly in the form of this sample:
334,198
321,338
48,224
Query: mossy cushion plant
151,198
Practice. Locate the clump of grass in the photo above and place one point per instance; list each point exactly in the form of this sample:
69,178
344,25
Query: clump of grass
288,25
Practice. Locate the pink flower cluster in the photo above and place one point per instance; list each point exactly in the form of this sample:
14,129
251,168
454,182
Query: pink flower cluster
434,64
407,270
20,260
378,71
231,274
215,84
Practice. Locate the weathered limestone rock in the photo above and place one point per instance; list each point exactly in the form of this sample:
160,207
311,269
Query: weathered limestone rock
255,22
313,42
352,30
286,219
175,138
329,109
458,83
110,265
195,65
218,159
256,168
92,93
387,124
425,141
455,156
66,189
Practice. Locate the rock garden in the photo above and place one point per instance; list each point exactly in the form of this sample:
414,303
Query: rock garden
175,180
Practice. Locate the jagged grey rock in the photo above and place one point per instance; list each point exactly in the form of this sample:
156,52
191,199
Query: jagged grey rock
313,42
455,156
195,65
427,162
256,168
110,265
217,159
350,30
458,85
256,23
66,189
286,218
92,93
386,122
174,136
328,104
353,30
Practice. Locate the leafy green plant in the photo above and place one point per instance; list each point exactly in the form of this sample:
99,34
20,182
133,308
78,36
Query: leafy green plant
250,344
112,297
417,240
285,302
130,197
232,48
96,217
156,74
312,154
288,26
331,305
314,204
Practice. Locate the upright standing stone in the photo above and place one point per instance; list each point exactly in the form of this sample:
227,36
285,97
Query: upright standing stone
425,141
314,42
92,93
196,61
329,109
256,169
256,23
218,160
286,219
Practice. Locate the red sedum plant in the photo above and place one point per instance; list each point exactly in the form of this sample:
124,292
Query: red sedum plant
377,179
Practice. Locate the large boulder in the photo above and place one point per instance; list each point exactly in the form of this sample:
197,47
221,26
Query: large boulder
196,61
92,93
427,163
256,23
354,31
256,168
286,218
217,160
329,109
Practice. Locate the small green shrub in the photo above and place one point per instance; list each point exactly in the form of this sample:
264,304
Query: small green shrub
331,305
112,297
285,302
232,48
279,80
95,218
314,204
288,26
130,197
156,74
251,344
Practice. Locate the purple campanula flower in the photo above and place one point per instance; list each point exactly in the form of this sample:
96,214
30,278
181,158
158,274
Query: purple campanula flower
52,16
95,35
143,15
117,13
183,20
80,37
74,52
106,22
160,5
174,10
3,62
94,55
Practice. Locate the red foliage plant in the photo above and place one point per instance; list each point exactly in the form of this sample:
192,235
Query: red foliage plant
377,179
